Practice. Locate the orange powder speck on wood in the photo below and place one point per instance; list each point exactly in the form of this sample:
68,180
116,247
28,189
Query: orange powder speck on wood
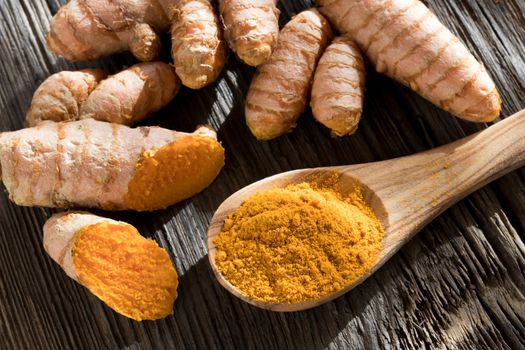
174,172
298,243
131,274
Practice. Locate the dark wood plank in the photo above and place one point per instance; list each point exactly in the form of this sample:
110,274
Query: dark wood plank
459,284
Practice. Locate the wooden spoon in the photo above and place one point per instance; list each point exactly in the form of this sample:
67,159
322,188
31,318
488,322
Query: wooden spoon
405,193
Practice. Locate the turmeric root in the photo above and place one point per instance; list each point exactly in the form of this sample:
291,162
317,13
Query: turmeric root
133,94
279,90
90,29
338,87
251,28
406,41
60,96
124,98
89,163
131,274
198,49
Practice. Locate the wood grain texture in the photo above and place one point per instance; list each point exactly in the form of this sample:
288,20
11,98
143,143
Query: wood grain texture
459,284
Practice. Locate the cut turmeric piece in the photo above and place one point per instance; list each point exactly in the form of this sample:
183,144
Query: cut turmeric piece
130,273
174,172
93,164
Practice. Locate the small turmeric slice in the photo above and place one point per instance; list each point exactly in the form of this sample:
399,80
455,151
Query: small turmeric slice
131,274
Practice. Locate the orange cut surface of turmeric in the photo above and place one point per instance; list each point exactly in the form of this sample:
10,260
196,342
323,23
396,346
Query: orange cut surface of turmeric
298,243
131,274
174,172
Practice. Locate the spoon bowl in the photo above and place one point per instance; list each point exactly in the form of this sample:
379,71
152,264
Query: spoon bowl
405,193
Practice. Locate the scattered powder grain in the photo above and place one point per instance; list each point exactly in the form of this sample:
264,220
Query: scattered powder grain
298,243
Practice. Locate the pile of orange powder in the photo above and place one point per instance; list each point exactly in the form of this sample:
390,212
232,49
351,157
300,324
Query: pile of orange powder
298,243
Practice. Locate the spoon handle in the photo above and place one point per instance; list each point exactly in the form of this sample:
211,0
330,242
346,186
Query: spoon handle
416,189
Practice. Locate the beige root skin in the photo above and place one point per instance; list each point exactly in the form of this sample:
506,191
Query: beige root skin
133,94
59,233
89,29
145,43
279,90
198,48
60,96
131,274
338,87
124,98
251,28
90,163
407,42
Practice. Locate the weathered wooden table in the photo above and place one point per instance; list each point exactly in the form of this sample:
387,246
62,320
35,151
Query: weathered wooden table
459,284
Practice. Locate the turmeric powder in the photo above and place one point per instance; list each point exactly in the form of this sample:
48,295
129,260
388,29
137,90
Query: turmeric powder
299,242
